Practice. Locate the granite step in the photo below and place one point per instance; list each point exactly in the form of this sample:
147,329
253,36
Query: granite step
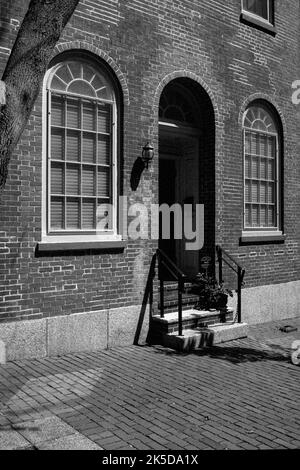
204,337
191,319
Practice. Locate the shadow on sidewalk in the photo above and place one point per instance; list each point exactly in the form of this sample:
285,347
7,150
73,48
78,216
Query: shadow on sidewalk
236,354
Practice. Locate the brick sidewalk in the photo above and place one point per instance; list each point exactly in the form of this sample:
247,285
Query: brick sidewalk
240,395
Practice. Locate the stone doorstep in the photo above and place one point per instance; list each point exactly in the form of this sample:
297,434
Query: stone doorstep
202,337
187,315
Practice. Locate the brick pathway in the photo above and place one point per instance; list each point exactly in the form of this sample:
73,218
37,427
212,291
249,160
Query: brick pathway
240,395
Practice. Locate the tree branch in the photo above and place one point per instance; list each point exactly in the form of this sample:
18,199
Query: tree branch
25,70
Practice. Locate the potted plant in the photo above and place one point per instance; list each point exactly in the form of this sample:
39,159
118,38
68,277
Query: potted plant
212,294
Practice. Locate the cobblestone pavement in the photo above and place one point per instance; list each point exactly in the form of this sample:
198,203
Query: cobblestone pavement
239,395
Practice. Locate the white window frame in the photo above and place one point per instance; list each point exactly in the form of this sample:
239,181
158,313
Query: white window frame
263,231
80,235
269,21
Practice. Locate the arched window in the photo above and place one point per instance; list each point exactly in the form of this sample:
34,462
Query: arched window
261,169
81,149
178,106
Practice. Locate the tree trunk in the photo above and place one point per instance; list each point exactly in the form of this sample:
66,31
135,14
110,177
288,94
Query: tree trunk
25,70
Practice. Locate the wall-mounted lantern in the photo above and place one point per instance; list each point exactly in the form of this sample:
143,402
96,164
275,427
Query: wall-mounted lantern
148,154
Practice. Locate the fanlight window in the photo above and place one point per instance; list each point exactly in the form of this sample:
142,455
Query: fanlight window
261,163
81,79
176,105
259,119
81,148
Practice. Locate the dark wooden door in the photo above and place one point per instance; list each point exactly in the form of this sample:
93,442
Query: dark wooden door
167,195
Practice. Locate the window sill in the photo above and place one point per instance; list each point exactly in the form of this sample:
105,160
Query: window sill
252,238
258,23
61,246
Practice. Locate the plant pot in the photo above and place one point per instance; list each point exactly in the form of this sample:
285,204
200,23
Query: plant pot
223,316
221,301
210,299
202,304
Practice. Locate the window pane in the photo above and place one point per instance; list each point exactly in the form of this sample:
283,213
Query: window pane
88,148
88,117
263,168
263,145
57,213
104,216
88,214
73,179
57,144
257,7
75,68
254,191
98,83
57,110
73,113
103,183
73,219
271,151
255,216
271,173
88,73
263,216
247,142
103,90
254,144
263,192
247,191
57,179
64,74
255,168
88,181
271,216
271,195
73,146
103,150
81,88
57,84
104,118
248,215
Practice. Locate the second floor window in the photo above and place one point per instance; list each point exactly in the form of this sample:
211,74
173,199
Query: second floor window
263,9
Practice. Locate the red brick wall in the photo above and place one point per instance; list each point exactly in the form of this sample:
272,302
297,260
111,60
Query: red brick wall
148,41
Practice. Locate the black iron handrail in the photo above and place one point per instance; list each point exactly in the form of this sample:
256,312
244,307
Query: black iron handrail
223,256
179,276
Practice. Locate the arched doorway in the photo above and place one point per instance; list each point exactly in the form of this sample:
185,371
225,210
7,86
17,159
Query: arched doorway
187,166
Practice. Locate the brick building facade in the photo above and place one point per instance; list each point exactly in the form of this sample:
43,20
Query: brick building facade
181,75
